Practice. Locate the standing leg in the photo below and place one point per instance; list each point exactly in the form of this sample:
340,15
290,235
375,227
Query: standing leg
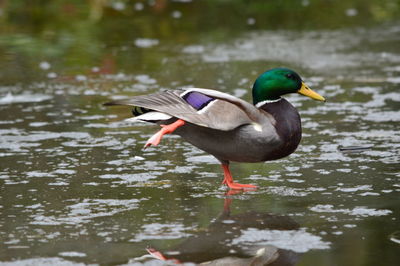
166,129
228,180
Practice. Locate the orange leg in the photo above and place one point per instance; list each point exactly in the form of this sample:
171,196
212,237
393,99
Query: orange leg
228,180
166,129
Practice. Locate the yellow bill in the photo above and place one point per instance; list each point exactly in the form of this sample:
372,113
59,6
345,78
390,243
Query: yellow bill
306,91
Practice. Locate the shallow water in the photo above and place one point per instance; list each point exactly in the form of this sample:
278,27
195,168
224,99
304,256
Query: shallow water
77,188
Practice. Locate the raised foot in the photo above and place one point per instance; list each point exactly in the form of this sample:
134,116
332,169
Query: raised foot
166,129
154,140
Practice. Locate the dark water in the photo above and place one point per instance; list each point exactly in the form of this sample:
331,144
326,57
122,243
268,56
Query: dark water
77,188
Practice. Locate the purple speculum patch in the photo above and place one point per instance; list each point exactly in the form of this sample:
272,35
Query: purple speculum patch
197,100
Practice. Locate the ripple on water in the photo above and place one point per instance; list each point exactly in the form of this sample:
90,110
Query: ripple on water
287,191
83,212
356,211
72,254
127,161
296,240
131,178
18,140
319,53
24,98
161,231
354,189
42,261
106,141
39,174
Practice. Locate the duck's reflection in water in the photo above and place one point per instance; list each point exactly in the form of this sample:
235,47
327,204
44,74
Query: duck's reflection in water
216,244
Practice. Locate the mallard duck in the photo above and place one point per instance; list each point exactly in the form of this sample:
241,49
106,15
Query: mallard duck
229,128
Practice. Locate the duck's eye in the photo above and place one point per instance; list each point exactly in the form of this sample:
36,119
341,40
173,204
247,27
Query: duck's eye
290,76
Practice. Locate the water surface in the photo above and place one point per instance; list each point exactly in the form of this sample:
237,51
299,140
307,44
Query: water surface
77,188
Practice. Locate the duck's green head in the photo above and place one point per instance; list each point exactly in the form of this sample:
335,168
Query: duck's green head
274,83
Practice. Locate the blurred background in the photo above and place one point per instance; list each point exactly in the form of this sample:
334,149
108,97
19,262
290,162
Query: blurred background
77,188
110,36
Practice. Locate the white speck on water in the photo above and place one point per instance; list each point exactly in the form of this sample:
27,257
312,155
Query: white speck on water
52,75
127,161
86,210
228,221
19,140
91,117
215,58
39,174
145,79
193,49
119,6
316,189
182,169
298,241
380,100
90,92
357,211
201,159
80,78
351,12
146,43
176,14
287,191
161,231
349,225
369,194
239,92
292,168
344,170
42,261
95,69
322,171
129,178
383,116
23,98
65,171
394,80
12,242
354,189
44,65
251,21
34,206
139,6
91,184
93,142
59,183
293,180
72,254
395,237
38,124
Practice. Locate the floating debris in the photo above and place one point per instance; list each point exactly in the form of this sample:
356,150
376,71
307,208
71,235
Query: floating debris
351,149
395,237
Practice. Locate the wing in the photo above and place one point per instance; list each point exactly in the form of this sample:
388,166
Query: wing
204,107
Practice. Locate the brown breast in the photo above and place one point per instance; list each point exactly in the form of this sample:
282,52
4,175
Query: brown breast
288,127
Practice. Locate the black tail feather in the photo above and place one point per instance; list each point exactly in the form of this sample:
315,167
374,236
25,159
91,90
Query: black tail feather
136,110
